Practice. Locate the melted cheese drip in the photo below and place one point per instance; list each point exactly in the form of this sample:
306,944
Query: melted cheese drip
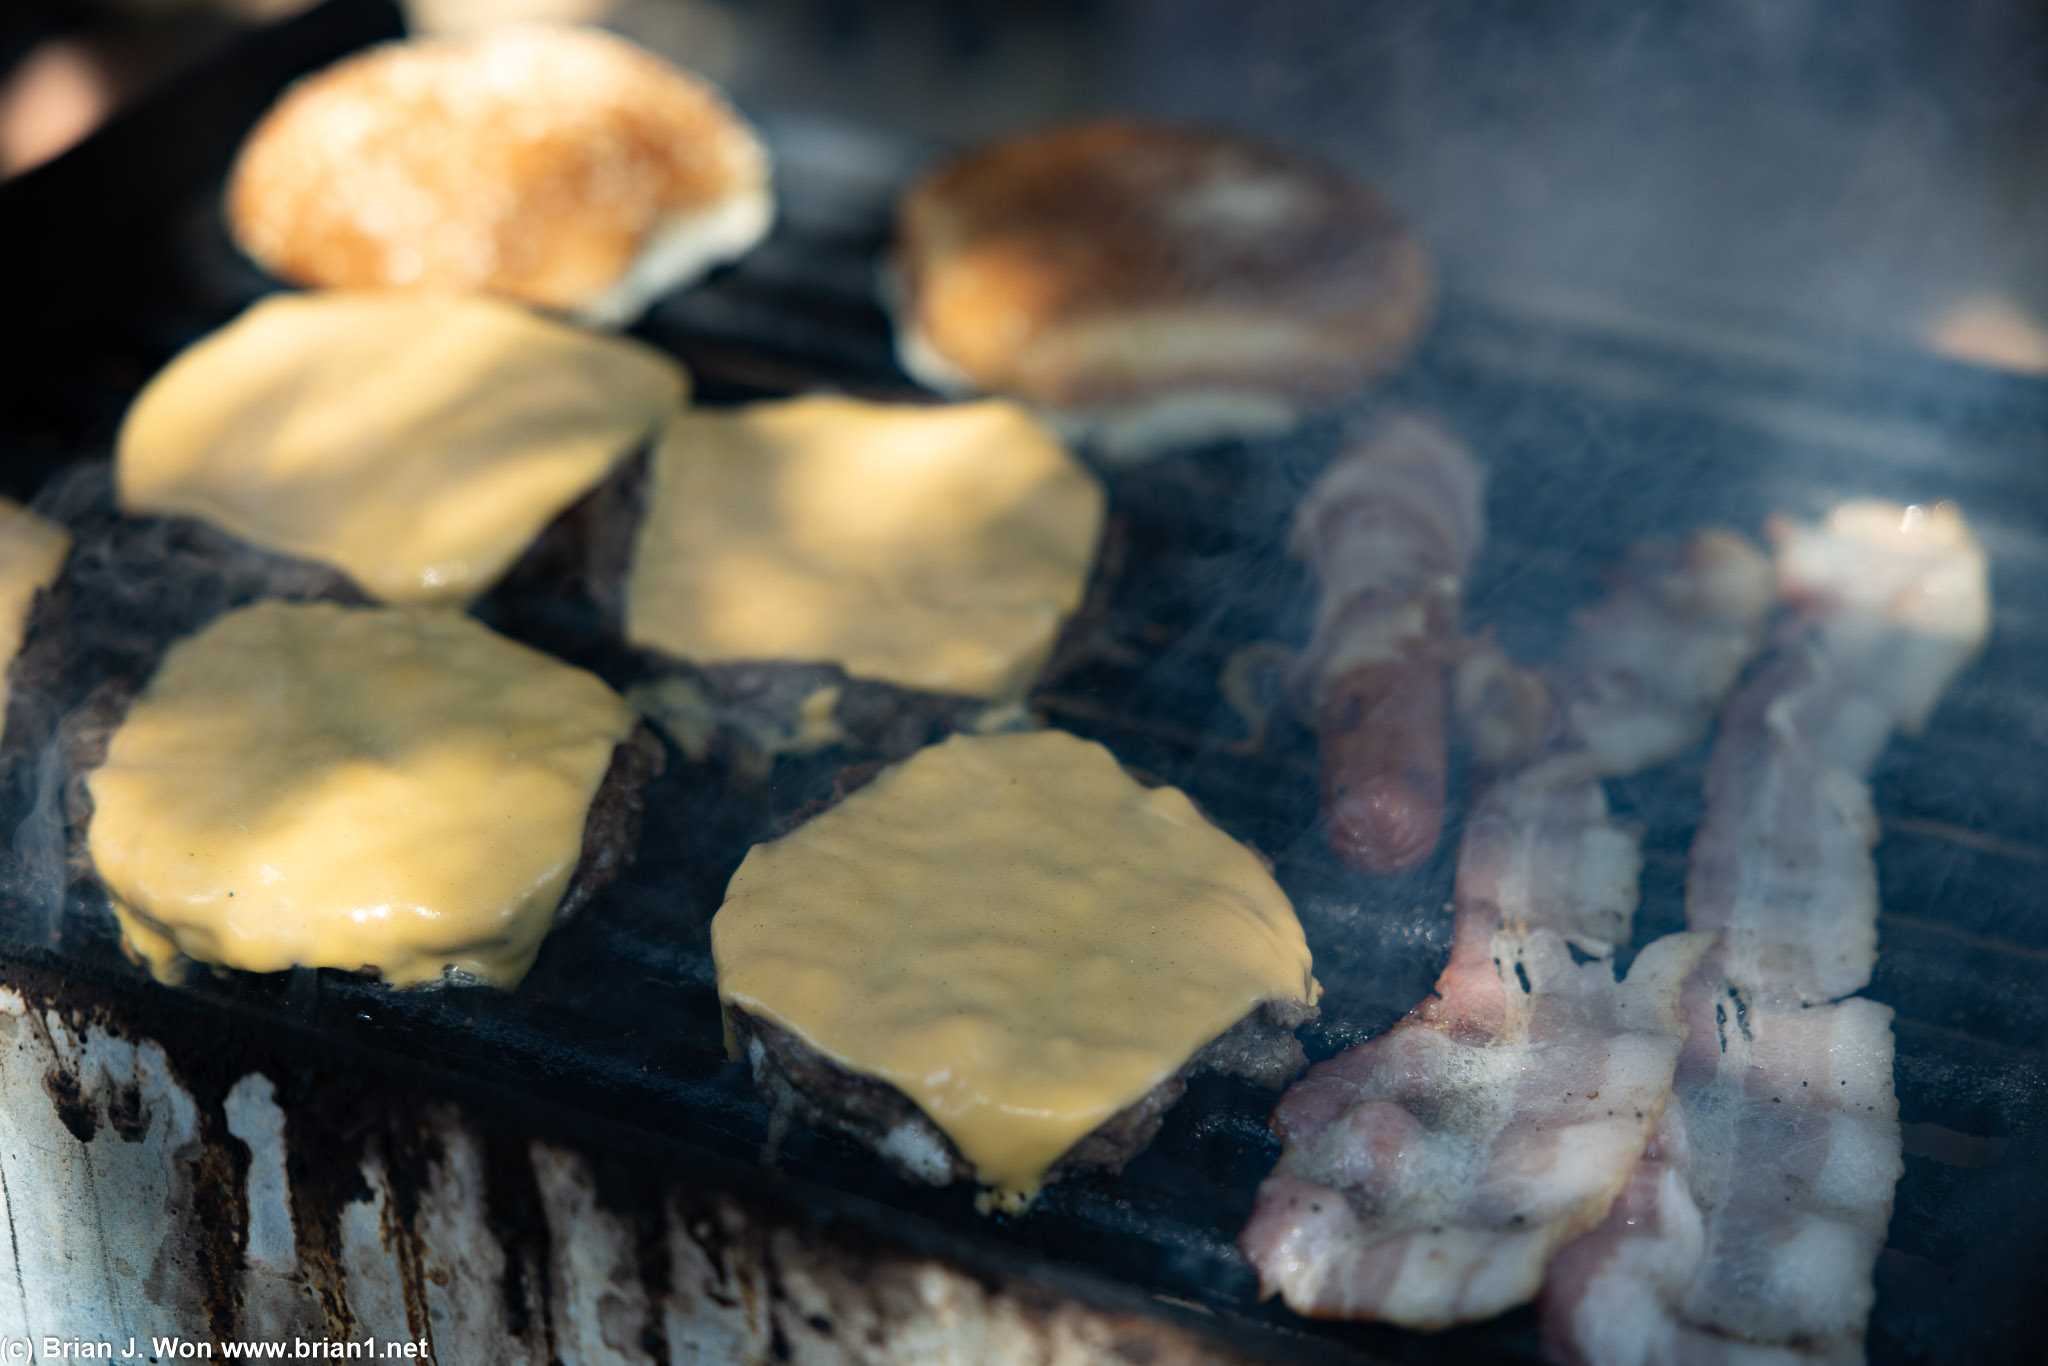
418,442
931,547
1013,933
32,551
393,788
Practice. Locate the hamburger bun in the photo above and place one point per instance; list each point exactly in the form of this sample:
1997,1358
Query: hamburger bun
562,166
1149,285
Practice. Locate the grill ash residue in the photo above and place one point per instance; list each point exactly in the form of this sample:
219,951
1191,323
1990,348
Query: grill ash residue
518,1220
203,1253
410,1146
216,1179
126,1112
79,1114
326,1175
641,1200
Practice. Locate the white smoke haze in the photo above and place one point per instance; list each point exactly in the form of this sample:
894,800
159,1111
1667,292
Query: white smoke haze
1865,167
1769,162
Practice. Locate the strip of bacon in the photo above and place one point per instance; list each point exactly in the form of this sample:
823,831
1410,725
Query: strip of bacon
1390,530
1898,600
1782,861
1428,1175
1750,1230
1893,602
1541,855
1643,671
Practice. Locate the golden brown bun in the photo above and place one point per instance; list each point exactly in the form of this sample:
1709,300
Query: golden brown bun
562,166
1150,284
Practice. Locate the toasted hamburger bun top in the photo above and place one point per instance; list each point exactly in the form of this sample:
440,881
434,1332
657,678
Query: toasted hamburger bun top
1112,263
562,166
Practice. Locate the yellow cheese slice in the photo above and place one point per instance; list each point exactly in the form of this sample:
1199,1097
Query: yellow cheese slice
392,788
936,548
1015,934
418,442
32,552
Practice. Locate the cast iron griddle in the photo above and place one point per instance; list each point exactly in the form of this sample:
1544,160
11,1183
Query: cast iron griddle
1594,438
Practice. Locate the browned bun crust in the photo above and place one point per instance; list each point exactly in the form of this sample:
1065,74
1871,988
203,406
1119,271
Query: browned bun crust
1112,263
544,163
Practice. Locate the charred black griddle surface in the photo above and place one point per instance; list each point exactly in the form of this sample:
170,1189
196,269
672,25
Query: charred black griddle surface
1593,440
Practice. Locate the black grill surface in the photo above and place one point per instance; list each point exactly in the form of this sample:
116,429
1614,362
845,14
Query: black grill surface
1594,437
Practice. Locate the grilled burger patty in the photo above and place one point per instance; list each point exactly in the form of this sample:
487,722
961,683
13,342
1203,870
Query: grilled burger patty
133,587
1002,959
567,593
330,786
803,1084
611,831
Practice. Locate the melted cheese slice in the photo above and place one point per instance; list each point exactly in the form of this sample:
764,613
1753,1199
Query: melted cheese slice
418,442
392,788
32,552
936,548
1013,933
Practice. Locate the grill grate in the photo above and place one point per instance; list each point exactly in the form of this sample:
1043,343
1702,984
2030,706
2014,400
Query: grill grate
1594,439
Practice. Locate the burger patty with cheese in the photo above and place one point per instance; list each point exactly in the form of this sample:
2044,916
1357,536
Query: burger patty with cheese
1001,960
417,442
399,790
820,567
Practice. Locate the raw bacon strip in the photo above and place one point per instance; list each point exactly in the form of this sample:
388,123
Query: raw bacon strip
1607,1298
1430,1173
1549,856
1645,668
1893,602
1643,671
1750,1231
1899,601
1390,530
1505,711
1782,859
1750,1228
